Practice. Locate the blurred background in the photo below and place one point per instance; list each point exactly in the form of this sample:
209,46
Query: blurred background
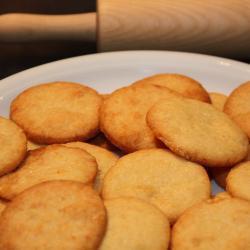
15,57
212,27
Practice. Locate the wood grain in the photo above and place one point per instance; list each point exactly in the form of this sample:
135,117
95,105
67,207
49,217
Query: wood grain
220,27
19,27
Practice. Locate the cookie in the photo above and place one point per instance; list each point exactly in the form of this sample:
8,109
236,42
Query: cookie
54,162
237,106
181,84
57,112
243,121
104,158
238,181
134,224
123,116
214,224
2,206
159,177
196,131
218,100
54,215
13,146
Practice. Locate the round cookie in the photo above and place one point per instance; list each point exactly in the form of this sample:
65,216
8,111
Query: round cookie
123,116
13,146
196,131
218,100
238,181
181,84
2,206
220,223
134,224
54,162
104,158
57,112
54,215
237,106
159,177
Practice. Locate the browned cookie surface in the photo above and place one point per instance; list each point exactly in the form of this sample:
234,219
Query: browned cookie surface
13,145
54,162
57,112
198,132
159,177
54,215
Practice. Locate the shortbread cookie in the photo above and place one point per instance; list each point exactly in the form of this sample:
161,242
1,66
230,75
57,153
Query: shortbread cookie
2,206
159,177
214,224
123,116
53,162
243,121
54,215
237,106
181,84
238,181
105,159
198,132
134,224
57,112
218,100
13,145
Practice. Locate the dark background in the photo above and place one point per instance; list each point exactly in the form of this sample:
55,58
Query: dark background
17,57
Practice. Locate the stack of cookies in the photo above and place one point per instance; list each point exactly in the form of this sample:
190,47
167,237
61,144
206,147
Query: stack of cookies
129,170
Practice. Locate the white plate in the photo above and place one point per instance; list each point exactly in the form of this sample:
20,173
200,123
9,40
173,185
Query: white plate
109,71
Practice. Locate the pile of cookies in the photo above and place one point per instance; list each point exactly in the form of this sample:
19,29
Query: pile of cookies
127,170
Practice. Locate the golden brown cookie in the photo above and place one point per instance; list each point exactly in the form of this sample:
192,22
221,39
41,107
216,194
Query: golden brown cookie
13,144
134,224
243,121
54,215
104,158
196,131
214,224
2,206
123,116
159,177
237,106
238,181
54,162
218,100
57,112
181,84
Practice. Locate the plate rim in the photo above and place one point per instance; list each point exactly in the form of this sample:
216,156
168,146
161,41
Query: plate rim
69,60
